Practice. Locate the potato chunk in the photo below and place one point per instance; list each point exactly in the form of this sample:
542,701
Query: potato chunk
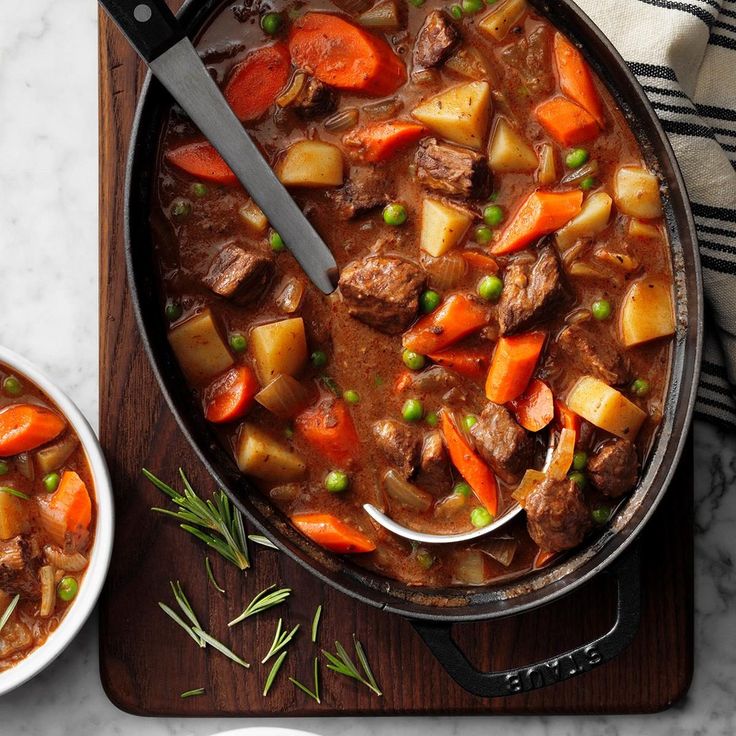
279,347
443,226
592,219
311,164
636,192
605,407
14,516
260,455
253,217
459,114
201,352
509,151
647,311
499,21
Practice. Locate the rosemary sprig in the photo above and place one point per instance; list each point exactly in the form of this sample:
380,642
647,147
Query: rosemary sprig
274,671
192,693
263,541
314,694
211,575
9,611
262,602
343,665
186,608
280,640
215,521
331,384
229,653
315,623
14,492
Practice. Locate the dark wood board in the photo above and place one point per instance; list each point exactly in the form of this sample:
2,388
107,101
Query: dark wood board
146,661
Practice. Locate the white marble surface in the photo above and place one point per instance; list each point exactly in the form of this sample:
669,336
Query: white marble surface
48,303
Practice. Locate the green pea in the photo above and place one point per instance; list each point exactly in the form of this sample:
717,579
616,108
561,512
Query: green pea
482,234
394,214
319,358
413,361
181,208
579,460
51,482
199,190
480,517
336,481
576,158
640,387
601,309
271,23
588,183
352,397
4,467
469,421
238,342
493,215
429,300
276,242
432,419
490,288
456,12
601,514
412,411
417,3
67,588
462,489
12,386
579,478
425,558
173,311
472,6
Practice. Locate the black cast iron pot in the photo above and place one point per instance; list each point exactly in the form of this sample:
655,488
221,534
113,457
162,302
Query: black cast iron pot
434,611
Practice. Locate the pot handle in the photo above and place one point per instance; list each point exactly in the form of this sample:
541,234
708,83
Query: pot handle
438,637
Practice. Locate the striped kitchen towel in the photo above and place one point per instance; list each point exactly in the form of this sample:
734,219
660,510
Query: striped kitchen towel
684,56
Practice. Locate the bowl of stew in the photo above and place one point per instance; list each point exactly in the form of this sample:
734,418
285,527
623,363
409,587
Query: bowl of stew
55,520
519,281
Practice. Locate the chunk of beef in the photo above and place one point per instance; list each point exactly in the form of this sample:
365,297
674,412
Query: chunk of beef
557,516
399,443
531,292
239,275
434,466
452,169
382,291
504,444
19,562
435,41
315,98
364,190
596,352
614,467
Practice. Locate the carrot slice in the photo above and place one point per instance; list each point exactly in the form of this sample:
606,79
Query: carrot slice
457,317
69,510
201,161
332,534
345,56
543,558
470,362
566,418
230,396
255,83
568,123
376,143
480,261
576,81
25,427
535,408
512,366
477,474
541,213
329,428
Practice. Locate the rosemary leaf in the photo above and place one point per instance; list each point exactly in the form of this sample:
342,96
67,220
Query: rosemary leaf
274,671
316,678
9,611
263,541
262,602
344,665
192,693
229,653
315,623
184,604
211,575
280,640
312,694
179,620
360,654
14,492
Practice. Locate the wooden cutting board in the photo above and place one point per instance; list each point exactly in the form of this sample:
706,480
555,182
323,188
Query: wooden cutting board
146,661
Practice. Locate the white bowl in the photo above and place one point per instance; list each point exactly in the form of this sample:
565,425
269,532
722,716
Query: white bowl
94,577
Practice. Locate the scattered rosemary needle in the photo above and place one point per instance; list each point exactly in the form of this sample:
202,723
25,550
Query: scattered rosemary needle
343,665
229,653
274,671
186,608
315,623
9,611
211,575
215,522
262,602
184,625
280,640
14,492
192,693
314,694
263,541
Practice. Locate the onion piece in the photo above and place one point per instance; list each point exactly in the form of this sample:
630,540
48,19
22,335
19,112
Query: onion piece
382,109
585,270
48,591
532,478
292,91
342,120
407,494
589,169
447,271
53,457
562,455
471,567
290,298
425,77
468,62
547,171
284,396
383,16
501,549
24,466
71,563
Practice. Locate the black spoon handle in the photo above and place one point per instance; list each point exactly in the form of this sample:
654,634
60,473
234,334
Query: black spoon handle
148,24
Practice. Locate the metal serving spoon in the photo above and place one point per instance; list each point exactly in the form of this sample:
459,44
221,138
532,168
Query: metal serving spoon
155,34
404,531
